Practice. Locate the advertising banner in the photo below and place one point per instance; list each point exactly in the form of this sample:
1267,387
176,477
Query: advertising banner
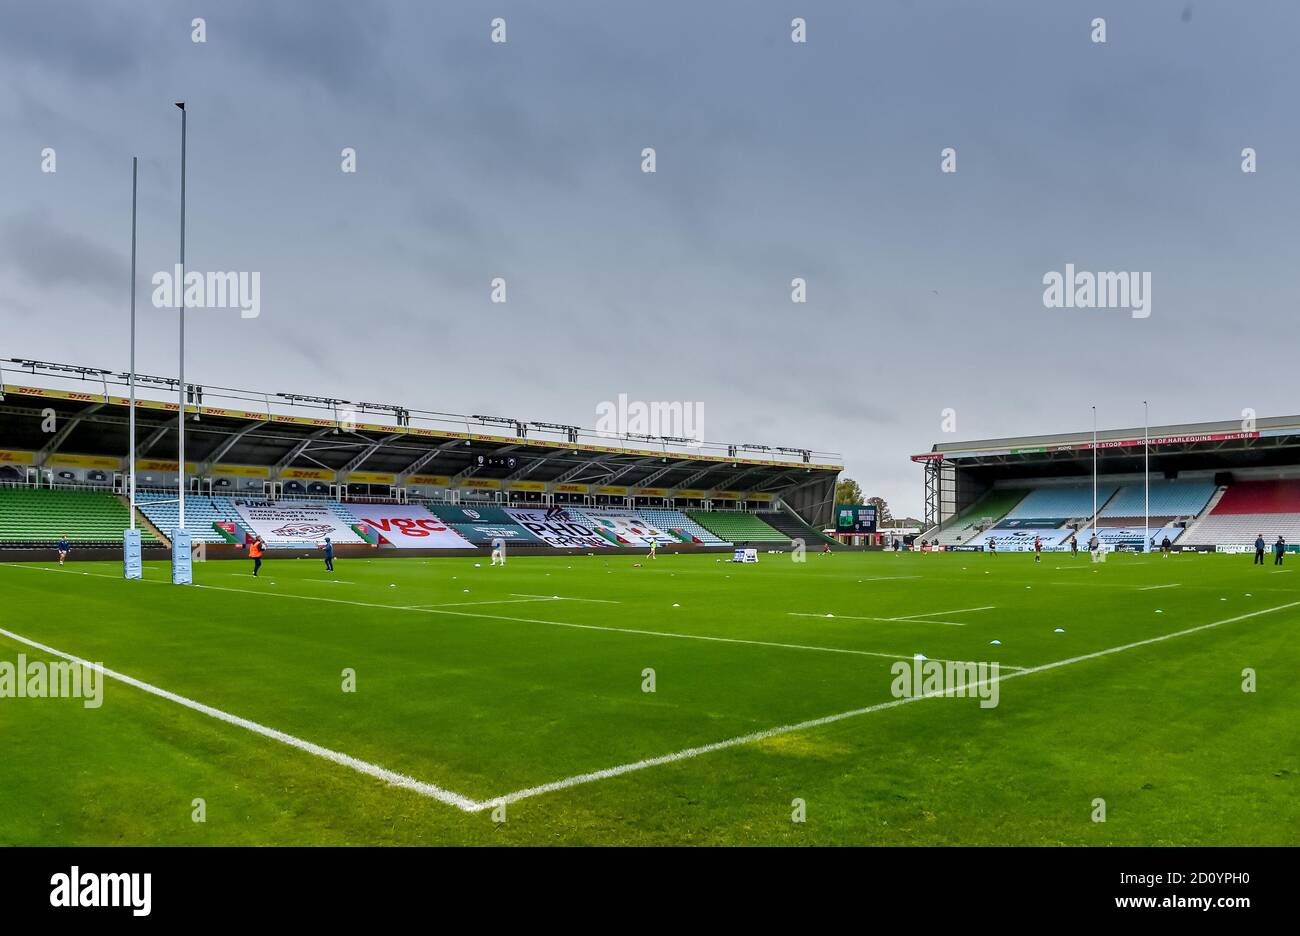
294,523
557,531
484,514
408,526
627,529
481,534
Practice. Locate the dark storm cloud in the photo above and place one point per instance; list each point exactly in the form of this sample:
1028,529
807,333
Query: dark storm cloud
46,256
82,40
336,44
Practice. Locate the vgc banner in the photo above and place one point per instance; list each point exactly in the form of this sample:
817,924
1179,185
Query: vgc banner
409,527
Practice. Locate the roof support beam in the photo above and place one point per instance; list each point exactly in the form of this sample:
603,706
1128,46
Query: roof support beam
69,424
300,448
368,451
230,443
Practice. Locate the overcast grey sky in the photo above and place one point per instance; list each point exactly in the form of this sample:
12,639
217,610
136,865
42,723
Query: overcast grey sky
775,160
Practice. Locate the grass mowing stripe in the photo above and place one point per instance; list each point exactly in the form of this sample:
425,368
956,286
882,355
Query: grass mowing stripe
688,753
390,777
650,633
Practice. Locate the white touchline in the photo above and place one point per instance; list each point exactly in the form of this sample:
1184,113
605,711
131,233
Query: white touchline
1154,587
390,777
688,753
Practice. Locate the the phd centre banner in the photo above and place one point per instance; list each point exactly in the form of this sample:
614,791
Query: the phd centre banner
294,523
409,527
556,530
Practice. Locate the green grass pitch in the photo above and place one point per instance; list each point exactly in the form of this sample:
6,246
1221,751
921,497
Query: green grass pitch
482,684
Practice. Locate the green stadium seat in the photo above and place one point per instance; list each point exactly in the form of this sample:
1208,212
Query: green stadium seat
737,526
40,517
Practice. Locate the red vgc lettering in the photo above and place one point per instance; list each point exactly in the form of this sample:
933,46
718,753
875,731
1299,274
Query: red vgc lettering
409,527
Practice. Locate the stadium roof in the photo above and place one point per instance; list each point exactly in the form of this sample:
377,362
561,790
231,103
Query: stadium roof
1230,443
295,432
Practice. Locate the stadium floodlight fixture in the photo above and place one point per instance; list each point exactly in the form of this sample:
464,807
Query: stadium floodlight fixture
161,381
303,398
570,432
83,372
401,413
520,427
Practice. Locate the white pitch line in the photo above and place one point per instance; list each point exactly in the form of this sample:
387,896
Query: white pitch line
1154,587
465,604
958,611
390,777
891,620
688,753
890,578
562,598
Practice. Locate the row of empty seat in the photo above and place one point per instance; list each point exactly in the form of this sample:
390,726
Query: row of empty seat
40,517
682,527
981,515
1245,510
1061,503
1168,499
737,526
201,513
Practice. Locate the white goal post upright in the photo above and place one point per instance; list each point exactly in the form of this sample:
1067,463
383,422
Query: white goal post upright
131,565
1094,474
1146,476
181,559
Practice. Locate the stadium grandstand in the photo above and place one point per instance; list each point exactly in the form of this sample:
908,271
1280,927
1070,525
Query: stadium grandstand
1204,486
292,469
